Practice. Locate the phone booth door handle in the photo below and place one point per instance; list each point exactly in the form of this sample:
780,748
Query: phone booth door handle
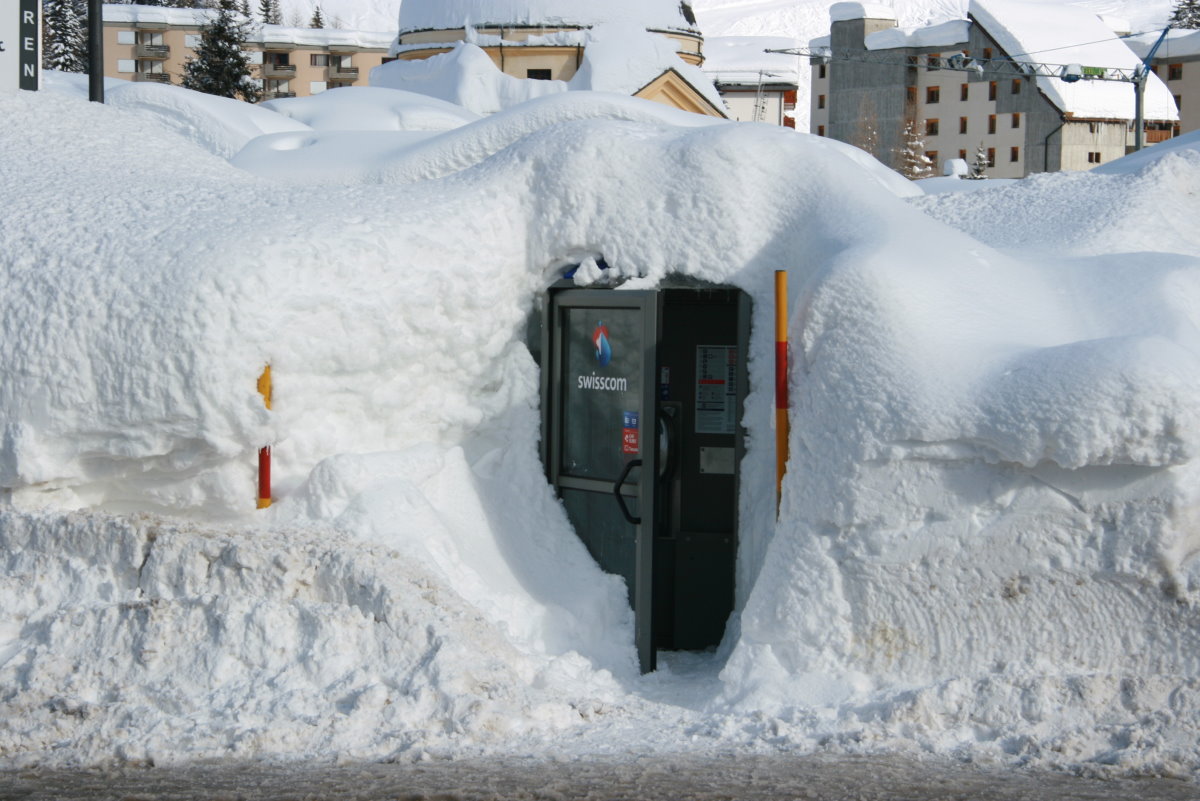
617,492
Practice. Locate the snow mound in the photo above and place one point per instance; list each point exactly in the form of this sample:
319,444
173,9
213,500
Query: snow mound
987,537
153,642
372,108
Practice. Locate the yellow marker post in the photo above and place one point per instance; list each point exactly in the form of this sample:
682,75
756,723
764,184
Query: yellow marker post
782,426
264,453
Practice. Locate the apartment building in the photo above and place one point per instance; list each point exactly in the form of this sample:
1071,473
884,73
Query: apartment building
152,43
879,79
1177,63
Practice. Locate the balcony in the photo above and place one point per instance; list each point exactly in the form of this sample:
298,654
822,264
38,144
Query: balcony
279,70
277,95
152,51
1154,137
154,77
343,73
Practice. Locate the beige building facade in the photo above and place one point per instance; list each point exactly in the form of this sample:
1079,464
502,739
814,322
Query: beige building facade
153,43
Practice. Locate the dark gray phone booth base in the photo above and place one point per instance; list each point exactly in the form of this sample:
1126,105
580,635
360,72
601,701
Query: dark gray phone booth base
642,394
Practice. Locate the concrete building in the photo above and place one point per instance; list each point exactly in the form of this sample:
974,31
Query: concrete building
547,39
878,79
1177,62
152,43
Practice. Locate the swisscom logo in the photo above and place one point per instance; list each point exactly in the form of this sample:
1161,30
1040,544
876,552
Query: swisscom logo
600,341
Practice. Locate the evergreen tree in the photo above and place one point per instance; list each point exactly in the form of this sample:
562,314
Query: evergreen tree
64,37
220,67
979,166
914,164
1186,14
245,8
269,12
318,21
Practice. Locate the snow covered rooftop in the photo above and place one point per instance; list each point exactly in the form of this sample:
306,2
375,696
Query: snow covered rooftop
420,15
947,34
1178,44
1057,33
733,59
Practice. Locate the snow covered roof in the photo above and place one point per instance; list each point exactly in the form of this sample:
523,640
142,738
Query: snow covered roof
733,59
155,14
954,32
841,12
1031,32
198,17
322,37
421,15
1178,44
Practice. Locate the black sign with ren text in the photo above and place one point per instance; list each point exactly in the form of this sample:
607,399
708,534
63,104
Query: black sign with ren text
29,44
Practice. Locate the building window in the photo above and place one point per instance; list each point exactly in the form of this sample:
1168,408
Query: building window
991,123
933,61
277,59
991,157
820,130
910,95
964,93
1014,154
962,154
318,60
821,71
537,75
1174,72
820,101
991,90
987,52
931,127
932,155
933,94
1016,122
1016,86
1093,157
1179,102
962,125
1091,127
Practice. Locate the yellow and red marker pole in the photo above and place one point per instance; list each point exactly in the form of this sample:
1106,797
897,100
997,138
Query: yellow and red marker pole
264,453
782,426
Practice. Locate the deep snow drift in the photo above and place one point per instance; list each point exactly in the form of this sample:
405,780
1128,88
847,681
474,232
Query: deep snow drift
988,526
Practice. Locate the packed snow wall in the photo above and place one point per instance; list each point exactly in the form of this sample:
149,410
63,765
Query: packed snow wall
991,451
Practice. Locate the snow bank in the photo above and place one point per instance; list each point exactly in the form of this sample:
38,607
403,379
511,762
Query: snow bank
373,108
987,537
465,76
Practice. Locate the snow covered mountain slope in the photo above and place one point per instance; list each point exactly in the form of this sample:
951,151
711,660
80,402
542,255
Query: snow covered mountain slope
987,541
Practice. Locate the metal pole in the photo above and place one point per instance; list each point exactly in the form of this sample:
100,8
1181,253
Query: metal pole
96,51
1139,93
264,453
782,426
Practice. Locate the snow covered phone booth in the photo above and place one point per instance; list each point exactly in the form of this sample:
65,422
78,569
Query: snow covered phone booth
642,394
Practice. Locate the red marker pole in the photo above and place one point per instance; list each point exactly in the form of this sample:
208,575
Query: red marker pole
264,453
782,426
